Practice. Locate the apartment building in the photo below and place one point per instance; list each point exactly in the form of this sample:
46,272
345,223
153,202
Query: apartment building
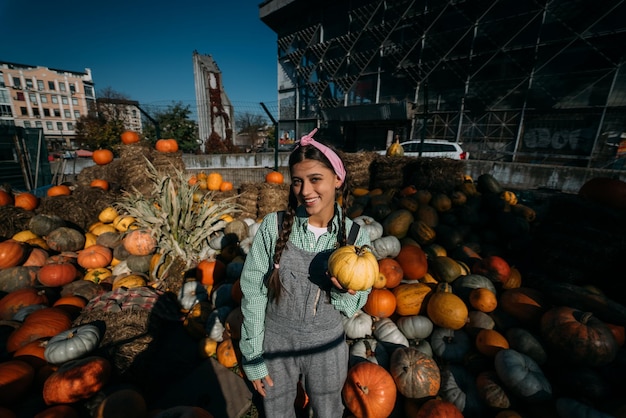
47,98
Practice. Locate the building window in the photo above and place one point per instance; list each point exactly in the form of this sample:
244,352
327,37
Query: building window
89,91
43,98
33,98
2,80
40,85
49,126
68,114
17,82
26,124
57,113
4,96
73,88
60,126
36,112
51,85
70,126
74,101
76,114
46,112
5,110
38,124
29,83
19,96
55,98
64,100
24,111
62,87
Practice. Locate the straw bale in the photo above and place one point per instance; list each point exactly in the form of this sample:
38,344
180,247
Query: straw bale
436,174
358,168
127,337
81,207
13,220
247,199
272,198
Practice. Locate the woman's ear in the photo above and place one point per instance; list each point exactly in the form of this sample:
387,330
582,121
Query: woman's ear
338,182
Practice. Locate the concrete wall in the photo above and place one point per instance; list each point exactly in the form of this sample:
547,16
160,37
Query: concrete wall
243,168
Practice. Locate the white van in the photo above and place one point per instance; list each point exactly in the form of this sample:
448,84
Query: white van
433,148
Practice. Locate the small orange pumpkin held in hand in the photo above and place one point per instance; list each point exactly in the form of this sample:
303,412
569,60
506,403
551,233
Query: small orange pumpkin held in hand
166,145
274,177
129,137
102,156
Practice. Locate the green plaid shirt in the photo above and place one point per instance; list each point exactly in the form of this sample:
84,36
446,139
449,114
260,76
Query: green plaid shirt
257,268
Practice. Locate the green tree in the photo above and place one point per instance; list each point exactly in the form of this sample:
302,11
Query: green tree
174,122
103,125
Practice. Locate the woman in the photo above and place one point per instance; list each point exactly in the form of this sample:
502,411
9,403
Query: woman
292,328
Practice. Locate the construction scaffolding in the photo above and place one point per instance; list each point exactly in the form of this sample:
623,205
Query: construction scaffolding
538,81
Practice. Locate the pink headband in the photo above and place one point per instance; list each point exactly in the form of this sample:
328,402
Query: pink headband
332,156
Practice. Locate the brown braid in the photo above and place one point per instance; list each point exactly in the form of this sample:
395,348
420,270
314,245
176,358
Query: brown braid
300,154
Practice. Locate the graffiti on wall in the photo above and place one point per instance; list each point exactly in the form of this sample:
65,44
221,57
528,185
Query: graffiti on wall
568,141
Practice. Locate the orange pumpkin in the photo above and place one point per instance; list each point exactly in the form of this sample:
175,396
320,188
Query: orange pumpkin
57,274
20,298
139,242
102,156
6,198
439,408
381,303
42,323
33,353
369,390
12,253
76,380
26,201
129,137
412,259
490,341
167,145
411,298
103,184
274,177
60,190
95,256
446,309
214,181
226,186
392,271
211,272
483,299
226,354
16,377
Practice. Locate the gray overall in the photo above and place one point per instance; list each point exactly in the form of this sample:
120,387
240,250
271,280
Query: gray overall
304,336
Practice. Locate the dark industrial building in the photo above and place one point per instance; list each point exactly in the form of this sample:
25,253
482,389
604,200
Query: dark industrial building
541,81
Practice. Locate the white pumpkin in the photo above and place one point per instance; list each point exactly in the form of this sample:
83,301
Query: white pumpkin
388,333
369,349
214,326
450,345
415,327
370,225
358,325
387,246
423,346
190,293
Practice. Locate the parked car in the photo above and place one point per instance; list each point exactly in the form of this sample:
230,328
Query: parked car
433,148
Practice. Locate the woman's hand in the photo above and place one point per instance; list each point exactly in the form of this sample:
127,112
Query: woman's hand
259,384
338,285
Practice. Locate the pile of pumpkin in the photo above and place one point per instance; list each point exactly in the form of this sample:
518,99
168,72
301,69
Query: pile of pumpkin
450,327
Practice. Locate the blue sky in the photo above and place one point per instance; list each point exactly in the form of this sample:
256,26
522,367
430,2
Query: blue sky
143,49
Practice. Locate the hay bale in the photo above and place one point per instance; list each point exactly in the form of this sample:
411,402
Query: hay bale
358,168
13,220
131,321
81,207
435,174
247,200
272,198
